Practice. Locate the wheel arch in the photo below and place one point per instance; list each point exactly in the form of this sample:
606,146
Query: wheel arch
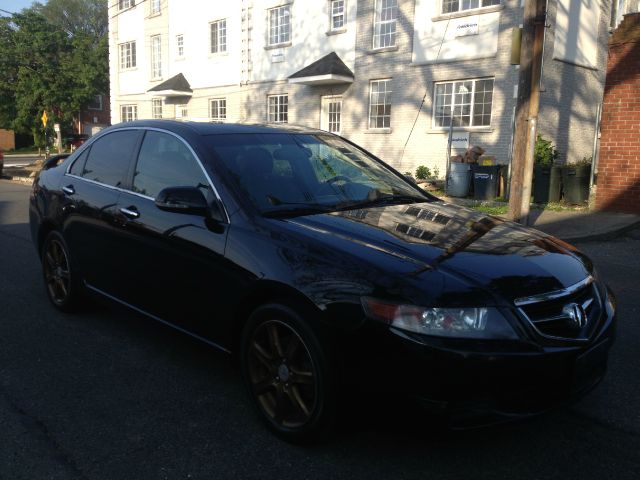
267,291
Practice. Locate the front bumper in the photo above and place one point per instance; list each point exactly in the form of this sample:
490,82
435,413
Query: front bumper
480,382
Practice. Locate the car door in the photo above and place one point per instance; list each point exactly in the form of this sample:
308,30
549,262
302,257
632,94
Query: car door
176,266
91,188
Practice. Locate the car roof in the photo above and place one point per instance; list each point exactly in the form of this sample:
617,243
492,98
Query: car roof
203,128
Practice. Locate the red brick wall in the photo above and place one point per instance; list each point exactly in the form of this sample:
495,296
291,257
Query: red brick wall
619,164
7,140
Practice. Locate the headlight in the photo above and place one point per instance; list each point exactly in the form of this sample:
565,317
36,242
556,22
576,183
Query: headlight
477,322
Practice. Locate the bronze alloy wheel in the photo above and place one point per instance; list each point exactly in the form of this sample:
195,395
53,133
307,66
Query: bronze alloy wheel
57,273
282,374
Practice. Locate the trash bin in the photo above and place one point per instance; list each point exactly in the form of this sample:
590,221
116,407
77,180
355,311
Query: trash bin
459,179
485,182
575,183
547,184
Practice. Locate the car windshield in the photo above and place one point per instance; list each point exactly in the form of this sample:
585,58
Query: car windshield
293,174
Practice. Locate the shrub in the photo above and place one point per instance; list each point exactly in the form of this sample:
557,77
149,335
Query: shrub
544,153
423,172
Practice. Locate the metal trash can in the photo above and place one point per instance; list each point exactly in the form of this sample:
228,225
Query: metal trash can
485,182
458,180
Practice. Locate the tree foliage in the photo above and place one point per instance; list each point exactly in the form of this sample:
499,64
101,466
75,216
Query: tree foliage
53,57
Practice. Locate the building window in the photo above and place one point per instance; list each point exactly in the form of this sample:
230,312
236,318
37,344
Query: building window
124,4
331,114
127,55
128,113
218,109
470,102
156,108
180,45
95,103
452,6
384,24
337,14
156,57
280,25
219,36
278,109
380,104
181,112
155,7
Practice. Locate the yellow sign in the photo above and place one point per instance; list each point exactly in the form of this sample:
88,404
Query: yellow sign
44,119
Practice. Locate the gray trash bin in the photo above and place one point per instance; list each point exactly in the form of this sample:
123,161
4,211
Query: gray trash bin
459,179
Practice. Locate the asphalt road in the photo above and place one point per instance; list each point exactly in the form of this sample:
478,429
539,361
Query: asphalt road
107,394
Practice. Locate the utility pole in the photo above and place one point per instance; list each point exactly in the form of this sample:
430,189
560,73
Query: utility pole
527,109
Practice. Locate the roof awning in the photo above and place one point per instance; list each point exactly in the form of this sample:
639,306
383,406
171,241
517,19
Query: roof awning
329,70
176,86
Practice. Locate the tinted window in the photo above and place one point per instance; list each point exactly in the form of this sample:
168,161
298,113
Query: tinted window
109,157
78,165
165,161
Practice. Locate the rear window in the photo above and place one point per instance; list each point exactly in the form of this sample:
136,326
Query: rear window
108,160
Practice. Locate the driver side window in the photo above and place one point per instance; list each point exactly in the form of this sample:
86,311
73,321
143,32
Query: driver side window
165,161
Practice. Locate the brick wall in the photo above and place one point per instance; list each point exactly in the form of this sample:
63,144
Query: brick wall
619,166
7,140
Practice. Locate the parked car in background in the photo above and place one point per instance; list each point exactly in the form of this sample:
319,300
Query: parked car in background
77,139
323,270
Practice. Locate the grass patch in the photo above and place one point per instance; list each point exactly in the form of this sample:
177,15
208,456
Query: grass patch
491,209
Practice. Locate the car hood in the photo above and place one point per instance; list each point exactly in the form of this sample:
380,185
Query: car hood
484,251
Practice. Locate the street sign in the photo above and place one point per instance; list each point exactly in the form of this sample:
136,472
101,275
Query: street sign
44,119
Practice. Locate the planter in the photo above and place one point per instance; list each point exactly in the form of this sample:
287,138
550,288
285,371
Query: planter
575,183
547,184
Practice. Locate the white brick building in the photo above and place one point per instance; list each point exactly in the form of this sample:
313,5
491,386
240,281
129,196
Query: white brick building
384,73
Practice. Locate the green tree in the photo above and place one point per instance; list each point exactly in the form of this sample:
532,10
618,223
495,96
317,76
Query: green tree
51,61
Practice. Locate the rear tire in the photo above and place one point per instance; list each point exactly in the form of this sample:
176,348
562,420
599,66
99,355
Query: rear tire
288,373
61,282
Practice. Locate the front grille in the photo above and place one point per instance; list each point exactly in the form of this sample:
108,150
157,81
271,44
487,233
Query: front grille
571,316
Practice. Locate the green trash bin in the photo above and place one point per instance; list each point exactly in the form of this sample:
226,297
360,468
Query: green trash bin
547,184
485,181
575,183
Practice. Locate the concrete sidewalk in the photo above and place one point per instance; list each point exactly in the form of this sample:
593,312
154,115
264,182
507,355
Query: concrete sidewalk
568,225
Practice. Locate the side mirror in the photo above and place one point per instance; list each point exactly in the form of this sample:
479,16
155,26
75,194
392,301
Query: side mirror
182,200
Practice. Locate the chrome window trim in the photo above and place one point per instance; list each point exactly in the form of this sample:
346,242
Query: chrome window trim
155,129
544,297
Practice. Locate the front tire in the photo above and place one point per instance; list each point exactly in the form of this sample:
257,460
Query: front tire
60,280
288,374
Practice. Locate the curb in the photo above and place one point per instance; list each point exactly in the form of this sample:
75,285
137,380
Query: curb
26,180
610,235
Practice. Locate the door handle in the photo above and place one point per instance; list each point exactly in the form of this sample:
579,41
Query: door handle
69,190
130,212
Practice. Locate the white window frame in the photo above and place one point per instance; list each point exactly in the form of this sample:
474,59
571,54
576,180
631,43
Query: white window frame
337,11
330,119
385,28
279,25
220,35
124,4
375,101
220,109
182,112
278,108
449,6
439,120
156,108
128,112
180,45
156,56
155,7
127,51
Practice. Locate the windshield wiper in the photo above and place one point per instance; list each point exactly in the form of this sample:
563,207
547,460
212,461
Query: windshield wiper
292,209
382,200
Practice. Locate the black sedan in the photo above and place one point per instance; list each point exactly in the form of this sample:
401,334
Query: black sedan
323,270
